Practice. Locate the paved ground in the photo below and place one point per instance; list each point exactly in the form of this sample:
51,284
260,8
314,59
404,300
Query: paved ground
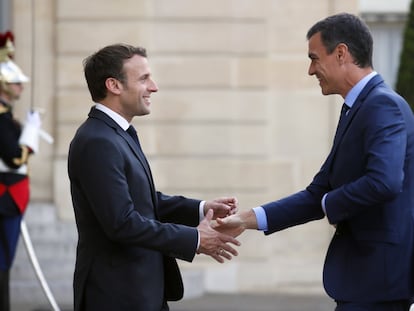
251,302
244,302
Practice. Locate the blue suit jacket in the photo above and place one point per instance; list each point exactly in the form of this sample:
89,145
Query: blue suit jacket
369,178
127,240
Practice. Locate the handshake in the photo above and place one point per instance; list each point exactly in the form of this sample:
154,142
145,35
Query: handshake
220,226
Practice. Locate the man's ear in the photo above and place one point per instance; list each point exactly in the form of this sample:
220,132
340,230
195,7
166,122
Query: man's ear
113,85
341,52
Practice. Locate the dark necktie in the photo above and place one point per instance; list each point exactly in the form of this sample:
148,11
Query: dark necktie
133,133
344,110
341,123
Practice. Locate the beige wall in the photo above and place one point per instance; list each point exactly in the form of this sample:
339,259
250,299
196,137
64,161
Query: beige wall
236,113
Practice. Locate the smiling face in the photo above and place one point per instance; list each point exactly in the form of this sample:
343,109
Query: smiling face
326,67
135,91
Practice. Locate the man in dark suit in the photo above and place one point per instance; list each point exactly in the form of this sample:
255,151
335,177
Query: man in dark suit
129,233
365,187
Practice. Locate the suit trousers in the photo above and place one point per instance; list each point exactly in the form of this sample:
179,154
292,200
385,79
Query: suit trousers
399,305
4,290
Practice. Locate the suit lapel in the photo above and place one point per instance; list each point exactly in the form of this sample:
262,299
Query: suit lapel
342,128
142,159
95,113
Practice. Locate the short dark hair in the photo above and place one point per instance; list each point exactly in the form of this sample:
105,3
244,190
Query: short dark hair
106,63
350,30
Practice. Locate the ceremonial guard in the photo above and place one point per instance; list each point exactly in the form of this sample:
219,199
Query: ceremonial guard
17,142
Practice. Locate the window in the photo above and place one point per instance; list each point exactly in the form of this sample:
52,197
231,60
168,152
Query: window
387,32
5,21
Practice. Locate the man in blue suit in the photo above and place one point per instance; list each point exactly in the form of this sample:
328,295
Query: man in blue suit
365,187
130,234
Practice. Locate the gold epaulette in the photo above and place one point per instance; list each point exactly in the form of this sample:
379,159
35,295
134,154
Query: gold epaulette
24,156
3,109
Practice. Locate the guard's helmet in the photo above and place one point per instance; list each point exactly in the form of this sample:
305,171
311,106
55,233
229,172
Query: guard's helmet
9,71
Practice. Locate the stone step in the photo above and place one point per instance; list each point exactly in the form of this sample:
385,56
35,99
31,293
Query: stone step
55,232
32,292
45,249
54,243
29,289
52,269
40,213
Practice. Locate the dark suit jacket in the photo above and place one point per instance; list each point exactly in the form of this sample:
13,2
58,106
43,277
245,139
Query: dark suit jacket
127,240
369,178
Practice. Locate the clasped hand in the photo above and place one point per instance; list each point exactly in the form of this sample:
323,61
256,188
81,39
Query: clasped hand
216,236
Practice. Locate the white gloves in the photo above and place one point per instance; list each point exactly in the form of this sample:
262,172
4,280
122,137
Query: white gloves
33,118
31,129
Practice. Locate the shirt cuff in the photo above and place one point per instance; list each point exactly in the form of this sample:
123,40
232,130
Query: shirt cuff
198,239
323,203
201,210
201,217
261,218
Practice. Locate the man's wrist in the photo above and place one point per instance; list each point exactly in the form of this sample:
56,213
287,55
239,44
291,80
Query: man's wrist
201,210
259,218
198,241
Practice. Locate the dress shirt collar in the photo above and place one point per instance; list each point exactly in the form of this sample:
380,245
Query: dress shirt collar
356,90
114,116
